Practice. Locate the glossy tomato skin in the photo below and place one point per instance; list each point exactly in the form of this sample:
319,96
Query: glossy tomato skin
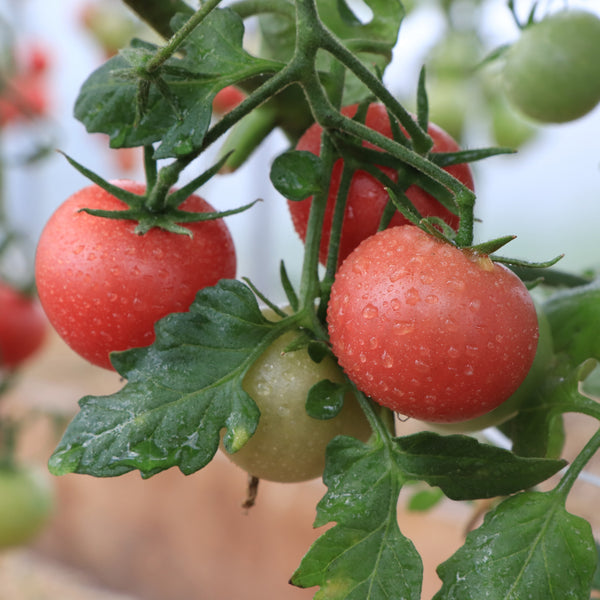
23,327
26,504
428,330
227,98
367,197
289,445
533,382
103,287
552,72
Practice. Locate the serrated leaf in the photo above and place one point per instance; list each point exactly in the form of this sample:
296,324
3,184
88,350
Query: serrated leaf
297,174
214,57
365,555
466,469
529,546
181,392
370,42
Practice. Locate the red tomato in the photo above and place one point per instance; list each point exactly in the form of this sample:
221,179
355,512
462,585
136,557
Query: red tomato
428,330
103,287
227,99
367,197
22,326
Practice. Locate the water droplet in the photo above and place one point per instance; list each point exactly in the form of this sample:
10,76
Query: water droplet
403,328
362,358
453,352
283,411
474,305
388,361
427,279
431,299
370,312
469,370
421,366
396,304
471,350
412,296
373,343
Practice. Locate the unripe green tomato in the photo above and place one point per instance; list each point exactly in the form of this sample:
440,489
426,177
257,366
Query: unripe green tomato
288,444
509,129
448,100
531,383
26,504
574,317
552,72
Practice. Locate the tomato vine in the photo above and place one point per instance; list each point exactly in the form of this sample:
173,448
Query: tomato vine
186,394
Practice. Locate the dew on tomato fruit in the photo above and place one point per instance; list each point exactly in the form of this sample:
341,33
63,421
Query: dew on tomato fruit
370,312
362,357
283,411
388,361
373,343
453,352
412,297
403,328
421,366
471,350
431,299
468,370
474,305
397,275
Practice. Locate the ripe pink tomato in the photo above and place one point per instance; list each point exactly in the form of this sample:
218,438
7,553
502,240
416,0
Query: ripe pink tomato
227,99
367,197
103,287
23,327
429,330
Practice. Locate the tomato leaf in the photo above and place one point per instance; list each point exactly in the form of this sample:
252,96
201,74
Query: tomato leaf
371,42
538,428
465,469
529,546
325,399
108,101
365,555
297,174
180,392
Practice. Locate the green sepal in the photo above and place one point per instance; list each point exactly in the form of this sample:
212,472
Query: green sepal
447,159
491,246
525,263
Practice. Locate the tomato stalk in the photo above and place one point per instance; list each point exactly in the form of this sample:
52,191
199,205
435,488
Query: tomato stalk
576,467
181,35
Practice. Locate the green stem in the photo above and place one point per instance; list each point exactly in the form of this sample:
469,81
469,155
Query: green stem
158,13
250,8
181,35
577,466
